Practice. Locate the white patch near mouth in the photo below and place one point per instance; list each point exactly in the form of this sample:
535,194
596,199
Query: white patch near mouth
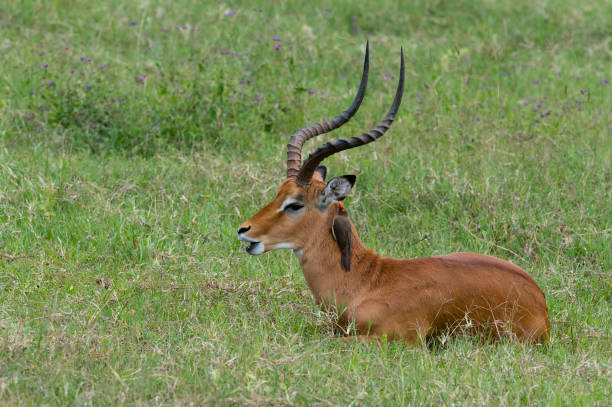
284,246
255,247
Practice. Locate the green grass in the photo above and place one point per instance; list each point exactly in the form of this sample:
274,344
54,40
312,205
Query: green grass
121,278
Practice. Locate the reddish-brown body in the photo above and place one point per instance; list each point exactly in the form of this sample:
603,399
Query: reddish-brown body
403,299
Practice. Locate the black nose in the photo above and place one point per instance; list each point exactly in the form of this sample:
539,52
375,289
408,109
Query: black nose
244,229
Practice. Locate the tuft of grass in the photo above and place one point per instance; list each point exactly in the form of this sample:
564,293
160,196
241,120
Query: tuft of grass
122,282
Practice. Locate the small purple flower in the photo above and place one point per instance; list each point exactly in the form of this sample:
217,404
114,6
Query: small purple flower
260,10
426,86
546,113
504,74
82,59
51,83
133,22
66,47
503,116
277,47
102,66
312,92
185,27
88,86
559,74
243,81
42,84
258,99
29,117
32,92
599,112
46,65
72,70
477,118
88,59
40,54
537,81
580,108
275,39
230,13
225,52
582,91
120,100
604,81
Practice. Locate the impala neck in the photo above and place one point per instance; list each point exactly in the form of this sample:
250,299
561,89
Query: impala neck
327,280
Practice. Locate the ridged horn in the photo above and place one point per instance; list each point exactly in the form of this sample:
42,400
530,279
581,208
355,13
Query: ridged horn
304,176
294,148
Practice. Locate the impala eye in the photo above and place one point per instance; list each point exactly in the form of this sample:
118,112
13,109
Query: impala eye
294,207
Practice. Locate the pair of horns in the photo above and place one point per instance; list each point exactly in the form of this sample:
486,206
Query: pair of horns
303,172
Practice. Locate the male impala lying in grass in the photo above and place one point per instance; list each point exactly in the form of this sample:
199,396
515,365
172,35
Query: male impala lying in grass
405,299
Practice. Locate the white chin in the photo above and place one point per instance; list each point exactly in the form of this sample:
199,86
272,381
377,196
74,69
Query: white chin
255,248
284,246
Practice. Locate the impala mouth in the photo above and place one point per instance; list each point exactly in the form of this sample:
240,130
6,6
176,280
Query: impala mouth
255,246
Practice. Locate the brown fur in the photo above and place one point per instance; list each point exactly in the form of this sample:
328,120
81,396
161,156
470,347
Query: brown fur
404,299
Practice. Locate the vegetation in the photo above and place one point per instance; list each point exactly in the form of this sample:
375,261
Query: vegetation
135,138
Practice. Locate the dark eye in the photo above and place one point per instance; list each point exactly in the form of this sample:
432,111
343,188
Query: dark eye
294,206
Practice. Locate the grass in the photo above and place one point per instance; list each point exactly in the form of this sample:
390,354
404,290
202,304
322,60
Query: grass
121,278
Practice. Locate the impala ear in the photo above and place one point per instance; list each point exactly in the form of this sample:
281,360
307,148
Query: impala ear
341,230
337,189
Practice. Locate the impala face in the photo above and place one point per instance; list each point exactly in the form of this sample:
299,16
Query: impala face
289,220
304,205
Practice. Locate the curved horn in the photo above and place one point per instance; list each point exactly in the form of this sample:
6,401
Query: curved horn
294,148
312,162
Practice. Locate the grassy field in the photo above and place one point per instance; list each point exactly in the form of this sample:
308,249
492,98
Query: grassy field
136,136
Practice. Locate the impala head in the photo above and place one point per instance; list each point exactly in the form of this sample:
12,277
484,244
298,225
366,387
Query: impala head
305,206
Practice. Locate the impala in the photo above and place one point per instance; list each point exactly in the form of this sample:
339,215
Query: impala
412,299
